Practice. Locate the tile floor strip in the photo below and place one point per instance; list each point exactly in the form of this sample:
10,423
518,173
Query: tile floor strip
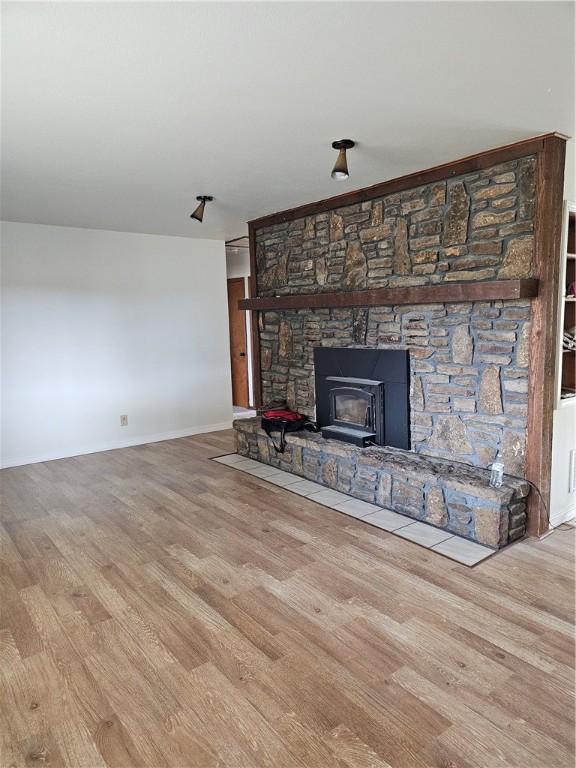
466,552
423,534
387,520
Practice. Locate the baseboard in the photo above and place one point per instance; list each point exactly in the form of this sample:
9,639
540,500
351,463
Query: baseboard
568,513
114,444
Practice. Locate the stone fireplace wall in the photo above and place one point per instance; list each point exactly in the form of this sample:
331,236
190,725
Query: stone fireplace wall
469,361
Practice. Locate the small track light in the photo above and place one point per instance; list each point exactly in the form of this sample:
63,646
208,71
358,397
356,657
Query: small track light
340,170
199,212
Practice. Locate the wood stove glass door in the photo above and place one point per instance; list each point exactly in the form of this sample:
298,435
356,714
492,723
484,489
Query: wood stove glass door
352,407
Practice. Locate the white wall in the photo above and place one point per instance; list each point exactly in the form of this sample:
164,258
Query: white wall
96,324
562,498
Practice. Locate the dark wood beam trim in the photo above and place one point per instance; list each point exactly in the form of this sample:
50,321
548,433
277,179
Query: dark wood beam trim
254,324
422,294
544,329
437,173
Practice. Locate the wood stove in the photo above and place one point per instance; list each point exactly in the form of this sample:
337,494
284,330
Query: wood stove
362,395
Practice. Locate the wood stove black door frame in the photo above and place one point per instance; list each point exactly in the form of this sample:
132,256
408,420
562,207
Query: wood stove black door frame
386,369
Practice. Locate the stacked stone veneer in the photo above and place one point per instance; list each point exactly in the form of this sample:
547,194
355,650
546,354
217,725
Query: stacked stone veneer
454,497
474,227
469,361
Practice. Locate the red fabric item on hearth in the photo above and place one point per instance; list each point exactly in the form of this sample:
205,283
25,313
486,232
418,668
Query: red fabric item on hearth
283,413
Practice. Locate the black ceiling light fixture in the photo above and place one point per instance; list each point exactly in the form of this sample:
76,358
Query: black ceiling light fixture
340,170
199,212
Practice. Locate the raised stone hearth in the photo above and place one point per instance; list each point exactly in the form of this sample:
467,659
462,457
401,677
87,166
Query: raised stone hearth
454,497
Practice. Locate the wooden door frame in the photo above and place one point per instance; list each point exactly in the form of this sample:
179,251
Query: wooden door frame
253,364
237,286
250,319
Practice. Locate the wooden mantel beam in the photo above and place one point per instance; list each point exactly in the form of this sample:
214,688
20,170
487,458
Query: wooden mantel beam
378,297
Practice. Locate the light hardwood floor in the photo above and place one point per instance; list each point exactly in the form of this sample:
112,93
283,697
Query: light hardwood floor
160,609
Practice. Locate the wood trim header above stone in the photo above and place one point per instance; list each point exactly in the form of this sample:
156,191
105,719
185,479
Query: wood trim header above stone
422,294
467,164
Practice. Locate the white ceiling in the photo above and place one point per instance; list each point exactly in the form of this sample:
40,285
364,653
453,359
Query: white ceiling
116,115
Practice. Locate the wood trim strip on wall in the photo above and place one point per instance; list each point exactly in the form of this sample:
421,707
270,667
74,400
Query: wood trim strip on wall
489,290
255,322
543,335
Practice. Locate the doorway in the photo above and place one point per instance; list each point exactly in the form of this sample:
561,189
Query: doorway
239,352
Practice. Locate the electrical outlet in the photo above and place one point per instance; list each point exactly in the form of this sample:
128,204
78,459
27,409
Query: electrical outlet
124,420
572,473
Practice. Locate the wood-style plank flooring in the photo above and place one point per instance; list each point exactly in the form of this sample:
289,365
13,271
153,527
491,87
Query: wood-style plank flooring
160,609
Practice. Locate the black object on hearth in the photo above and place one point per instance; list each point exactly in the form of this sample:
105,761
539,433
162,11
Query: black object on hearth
363,395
